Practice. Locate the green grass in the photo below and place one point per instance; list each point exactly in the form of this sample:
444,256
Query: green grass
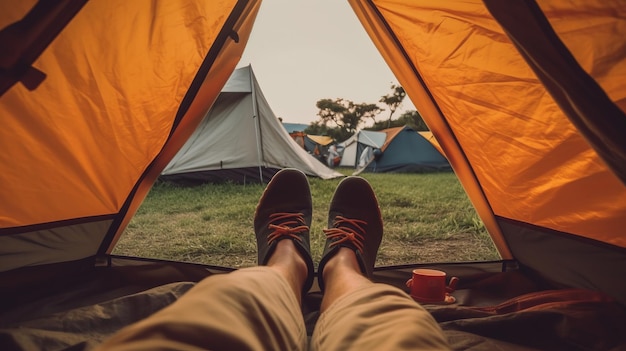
427,218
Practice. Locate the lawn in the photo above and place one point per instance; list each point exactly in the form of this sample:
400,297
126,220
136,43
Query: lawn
427,218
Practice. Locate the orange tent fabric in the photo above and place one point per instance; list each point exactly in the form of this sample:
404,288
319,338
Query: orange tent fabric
122,93
522,145
525,99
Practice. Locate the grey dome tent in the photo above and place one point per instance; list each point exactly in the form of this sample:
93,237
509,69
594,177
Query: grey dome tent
240,140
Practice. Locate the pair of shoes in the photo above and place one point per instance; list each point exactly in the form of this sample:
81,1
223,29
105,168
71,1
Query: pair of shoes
354,221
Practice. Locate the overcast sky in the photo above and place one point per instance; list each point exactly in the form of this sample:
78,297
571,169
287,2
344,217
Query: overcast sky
302,51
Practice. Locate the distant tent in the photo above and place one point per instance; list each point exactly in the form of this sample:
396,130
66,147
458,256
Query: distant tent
316,145
241,140
404,151
311,143
298,137
294,127
318,140
352,148
398,149
296,132
428,135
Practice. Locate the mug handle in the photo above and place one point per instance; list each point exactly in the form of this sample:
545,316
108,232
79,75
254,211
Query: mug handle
452,285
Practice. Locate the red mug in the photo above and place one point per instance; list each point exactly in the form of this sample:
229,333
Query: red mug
429,286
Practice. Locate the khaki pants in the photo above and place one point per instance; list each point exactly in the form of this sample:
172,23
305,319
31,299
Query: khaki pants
255,309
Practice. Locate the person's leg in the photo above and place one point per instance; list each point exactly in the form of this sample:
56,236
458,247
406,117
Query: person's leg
357,314
287,261
341,276
249,309
256,308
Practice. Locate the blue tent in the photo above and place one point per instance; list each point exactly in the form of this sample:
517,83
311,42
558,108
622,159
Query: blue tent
294,127
404,150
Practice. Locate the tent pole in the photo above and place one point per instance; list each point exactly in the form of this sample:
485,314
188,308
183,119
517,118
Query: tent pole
257,123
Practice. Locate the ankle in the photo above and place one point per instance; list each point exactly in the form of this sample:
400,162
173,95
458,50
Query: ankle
341,276
344,260
287,260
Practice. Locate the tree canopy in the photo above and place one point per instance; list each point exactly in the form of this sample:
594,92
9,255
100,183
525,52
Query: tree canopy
410,118
346,114
393,100
340,118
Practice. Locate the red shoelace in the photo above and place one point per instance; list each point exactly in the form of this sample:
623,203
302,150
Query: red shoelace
289,224
343,233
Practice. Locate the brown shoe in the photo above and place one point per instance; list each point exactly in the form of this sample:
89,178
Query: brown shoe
284,212
354,221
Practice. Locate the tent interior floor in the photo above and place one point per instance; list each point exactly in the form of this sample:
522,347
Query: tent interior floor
498,306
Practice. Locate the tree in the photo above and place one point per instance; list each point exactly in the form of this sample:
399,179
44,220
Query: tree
331,110
410,118
393,100
363,110
318,128
345,114
414,120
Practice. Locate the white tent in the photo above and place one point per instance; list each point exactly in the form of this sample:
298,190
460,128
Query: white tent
352,148
240,139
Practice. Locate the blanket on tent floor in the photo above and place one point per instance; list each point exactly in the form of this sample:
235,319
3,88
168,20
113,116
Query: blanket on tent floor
495,309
